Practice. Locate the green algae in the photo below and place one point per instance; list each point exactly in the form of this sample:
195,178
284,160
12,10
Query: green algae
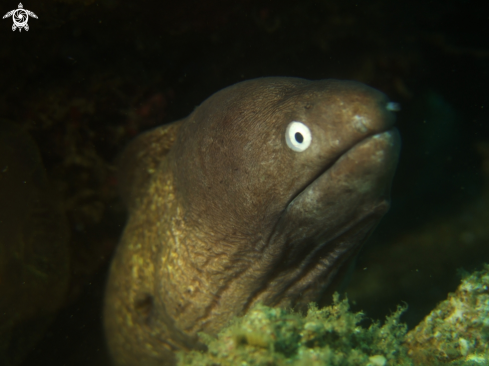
455,333
331,335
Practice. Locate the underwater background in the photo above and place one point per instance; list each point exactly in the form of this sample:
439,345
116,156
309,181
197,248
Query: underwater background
90,75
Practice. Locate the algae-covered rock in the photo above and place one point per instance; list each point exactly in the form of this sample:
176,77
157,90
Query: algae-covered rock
328,336
457,331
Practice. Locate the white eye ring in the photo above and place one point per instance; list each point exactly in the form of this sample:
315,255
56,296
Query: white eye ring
298,136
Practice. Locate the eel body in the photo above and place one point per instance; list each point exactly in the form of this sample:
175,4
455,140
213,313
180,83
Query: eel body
262,194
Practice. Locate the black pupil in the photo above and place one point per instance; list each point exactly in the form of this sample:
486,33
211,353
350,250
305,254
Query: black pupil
298,137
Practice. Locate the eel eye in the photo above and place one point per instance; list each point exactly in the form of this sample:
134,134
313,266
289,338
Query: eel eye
298,136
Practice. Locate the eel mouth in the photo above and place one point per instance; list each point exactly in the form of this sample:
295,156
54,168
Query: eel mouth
384,134
328,221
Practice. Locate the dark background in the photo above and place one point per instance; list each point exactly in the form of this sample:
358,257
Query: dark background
90,75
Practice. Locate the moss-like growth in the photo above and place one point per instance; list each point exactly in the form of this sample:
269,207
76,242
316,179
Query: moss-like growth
455,333
328,336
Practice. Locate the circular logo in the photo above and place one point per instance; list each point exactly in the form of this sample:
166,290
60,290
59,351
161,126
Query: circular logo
20,18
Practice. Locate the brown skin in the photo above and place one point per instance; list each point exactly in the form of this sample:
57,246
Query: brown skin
223,214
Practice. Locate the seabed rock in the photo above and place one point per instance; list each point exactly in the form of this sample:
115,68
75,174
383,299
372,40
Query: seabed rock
457,331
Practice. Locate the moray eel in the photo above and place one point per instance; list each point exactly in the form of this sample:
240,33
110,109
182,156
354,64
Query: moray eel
262,194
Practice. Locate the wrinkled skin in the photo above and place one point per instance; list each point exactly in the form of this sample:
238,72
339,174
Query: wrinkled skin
223,214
